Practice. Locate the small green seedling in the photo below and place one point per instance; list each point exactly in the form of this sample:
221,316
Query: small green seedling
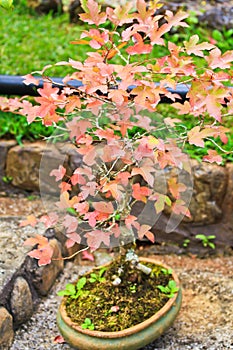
206,240
170,289
97,277
186,242
166,271
32,197
133,288
74,291
7,179
87,324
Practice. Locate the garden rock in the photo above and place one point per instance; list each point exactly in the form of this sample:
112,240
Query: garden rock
24,166
6,329
5,145
209,191
228,200
21,302
218,18
215,14
74,10
45,6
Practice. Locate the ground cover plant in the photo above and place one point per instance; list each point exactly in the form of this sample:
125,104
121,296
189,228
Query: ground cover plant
126,147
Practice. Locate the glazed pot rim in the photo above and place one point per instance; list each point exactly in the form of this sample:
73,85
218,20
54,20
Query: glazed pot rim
133,329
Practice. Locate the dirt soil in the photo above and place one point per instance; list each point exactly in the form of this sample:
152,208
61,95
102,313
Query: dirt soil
206,316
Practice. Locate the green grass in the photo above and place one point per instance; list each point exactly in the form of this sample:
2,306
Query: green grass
29,42
16,127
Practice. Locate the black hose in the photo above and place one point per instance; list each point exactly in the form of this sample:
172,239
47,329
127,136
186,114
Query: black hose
13,85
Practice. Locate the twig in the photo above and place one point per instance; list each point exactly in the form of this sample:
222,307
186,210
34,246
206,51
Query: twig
71,256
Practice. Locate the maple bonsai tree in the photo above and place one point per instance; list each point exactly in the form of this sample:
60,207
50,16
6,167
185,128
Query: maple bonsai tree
111,119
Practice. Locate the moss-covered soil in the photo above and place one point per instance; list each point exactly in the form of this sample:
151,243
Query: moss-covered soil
114,308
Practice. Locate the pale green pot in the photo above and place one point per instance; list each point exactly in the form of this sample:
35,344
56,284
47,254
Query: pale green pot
132,338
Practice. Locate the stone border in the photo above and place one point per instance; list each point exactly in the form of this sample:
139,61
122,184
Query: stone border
22,293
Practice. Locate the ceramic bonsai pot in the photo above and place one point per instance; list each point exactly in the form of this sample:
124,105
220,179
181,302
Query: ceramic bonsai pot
132,338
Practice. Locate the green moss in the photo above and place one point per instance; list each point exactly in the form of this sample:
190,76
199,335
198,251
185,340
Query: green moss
137,298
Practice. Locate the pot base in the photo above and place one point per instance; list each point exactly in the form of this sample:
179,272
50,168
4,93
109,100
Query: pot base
132,338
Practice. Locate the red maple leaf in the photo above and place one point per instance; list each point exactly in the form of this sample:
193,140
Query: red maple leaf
118,96
140,193
183,108
98,38
49,100
49,220
59,339
64,186
146,12
145,231
28,110
73,238
93,16
88,189
89,153
196,136
145,171
139,47
85,171
44,251
73,102
107,134
124,177
38,239
77,179
179,208
30,79
71,223
65,201
96,237
104,207
87,256
77,127
173,20
91,217
58,173
213,157
192,46
120,15
114,189
82,208
217,60
175,188
43,254
30,221
130,221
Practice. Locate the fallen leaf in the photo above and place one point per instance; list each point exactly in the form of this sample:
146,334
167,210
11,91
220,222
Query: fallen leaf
87,256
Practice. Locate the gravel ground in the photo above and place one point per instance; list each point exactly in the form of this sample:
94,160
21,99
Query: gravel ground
205,320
